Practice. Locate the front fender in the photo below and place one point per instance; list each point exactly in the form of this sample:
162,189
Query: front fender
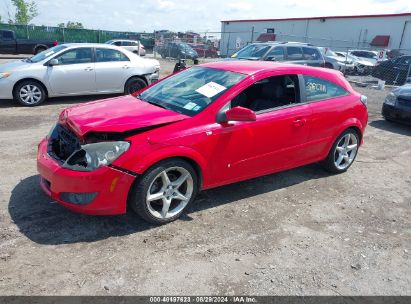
169,152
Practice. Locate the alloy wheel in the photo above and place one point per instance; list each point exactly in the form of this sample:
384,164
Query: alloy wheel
345,151
169,192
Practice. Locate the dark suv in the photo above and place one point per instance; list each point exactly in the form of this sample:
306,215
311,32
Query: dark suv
291,52
177,50
393,71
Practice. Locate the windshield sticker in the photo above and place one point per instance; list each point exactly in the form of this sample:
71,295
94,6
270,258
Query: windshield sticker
196,108
190,106
211,89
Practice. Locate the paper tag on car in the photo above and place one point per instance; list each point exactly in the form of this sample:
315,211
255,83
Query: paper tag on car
210,89
190,105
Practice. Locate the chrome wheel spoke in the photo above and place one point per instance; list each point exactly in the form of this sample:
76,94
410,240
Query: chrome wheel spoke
155,196
352,147
165,179
178,195
166,207
177,183
346,140
339,160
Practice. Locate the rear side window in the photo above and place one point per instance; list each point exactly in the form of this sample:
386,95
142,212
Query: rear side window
6,35
118,43
294,53
311,54
108,55
276,53
320,89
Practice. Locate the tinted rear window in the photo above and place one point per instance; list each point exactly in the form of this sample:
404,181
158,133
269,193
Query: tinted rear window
311,53
294,53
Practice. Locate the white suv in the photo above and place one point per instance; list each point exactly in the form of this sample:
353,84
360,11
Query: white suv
130,45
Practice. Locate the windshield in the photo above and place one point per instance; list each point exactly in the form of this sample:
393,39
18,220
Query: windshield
252,50
192,90
47,53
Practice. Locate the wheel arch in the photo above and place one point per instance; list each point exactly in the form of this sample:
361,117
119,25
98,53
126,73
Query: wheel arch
349,124
194,158
142,77
38,46
34,80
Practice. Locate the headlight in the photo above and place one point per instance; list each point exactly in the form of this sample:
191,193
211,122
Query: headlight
390,99
93,156
4,75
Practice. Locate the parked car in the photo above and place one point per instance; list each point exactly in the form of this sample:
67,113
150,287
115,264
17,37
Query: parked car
370,56
333,61
204,50
393,71
397,104
176,50
129,45
298,53
76,69
361,67
204,127
9,44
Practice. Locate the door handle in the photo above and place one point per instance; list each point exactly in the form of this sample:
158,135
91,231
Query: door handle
299,122
126,67
88,69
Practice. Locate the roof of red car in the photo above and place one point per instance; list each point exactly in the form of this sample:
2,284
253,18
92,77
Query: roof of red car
251,67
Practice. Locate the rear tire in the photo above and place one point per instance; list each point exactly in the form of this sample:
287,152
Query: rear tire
164,191
29,93
343,152
133,85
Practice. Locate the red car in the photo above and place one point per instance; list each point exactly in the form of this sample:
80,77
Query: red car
204,50
204,127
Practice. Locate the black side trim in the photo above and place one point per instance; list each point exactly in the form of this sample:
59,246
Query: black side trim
123,170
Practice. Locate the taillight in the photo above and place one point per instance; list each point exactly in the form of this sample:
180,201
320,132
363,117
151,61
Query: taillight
55,43
142,46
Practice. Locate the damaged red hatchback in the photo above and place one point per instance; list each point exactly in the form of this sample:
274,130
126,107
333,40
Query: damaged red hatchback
204,127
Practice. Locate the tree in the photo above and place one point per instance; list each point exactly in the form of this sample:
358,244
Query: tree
25,11
71,25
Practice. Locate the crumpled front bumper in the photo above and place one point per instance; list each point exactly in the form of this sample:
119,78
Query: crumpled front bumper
111,185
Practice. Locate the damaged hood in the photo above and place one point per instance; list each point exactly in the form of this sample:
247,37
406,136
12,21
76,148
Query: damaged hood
118,114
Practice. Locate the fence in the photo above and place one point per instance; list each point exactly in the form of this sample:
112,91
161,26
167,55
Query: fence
67,35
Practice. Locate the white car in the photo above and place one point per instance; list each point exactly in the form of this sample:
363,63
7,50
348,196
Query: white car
366,55
76,69
129,45
362,67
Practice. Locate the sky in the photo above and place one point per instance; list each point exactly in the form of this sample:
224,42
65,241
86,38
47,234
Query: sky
196,15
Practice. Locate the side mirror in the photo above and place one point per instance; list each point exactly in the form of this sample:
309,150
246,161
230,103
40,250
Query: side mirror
53,62
238,114
270,58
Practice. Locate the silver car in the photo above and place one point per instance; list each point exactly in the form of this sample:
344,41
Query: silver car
76,69
134,46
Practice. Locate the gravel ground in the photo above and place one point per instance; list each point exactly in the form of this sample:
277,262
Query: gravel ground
300,232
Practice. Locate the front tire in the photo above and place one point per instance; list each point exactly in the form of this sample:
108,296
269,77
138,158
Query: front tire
343,152
133,85
29,93
164,191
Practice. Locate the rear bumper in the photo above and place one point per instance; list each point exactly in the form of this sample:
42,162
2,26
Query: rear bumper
397,114
111,185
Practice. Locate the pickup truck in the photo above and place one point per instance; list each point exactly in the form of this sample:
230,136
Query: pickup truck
9,44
